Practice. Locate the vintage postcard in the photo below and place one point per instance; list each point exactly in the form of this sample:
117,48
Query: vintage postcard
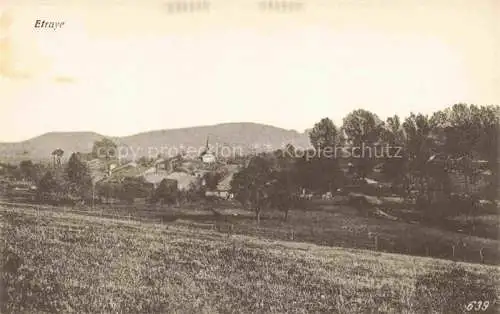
249,156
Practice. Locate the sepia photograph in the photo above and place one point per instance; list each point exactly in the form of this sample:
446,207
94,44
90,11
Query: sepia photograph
249,156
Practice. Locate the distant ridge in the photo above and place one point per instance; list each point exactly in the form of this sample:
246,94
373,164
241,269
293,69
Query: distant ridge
243,135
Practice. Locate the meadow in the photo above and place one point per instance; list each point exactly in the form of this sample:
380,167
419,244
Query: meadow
323,223
56,261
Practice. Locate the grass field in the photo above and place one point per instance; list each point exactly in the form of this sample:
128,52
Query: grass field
323,224
64,262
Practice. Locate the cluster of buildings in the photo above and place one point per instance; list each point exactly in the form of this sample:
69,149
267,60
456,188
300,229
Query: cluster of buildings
187,172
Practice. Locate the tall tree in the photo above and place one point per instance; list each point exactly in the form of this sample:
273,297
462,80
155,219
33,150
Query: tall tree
251,184
469,132
363,130
418,146
104,148
285,184
167,191
57,156
53,185
419,141
212,178
78,175
323,134
27,169
283,193
393,132
394,159
462,130
488,145
134,187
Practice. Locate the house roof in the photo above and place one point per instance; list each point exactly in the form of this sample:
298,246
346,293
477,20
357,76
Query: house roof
154,177
96,164
208,157
225,184
128,170
161,160
125,166
184,180
370,181
149,170
97,169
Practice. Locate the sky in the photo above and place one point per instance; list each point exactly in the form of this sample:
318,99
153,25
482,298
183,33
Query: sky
120,67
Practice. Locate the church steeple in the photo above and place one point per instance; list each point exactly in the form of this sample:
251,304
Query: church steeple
205,151
206,155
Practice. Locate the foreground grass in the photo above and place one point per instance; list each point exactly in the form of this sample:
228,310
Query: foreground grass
323,224
60,262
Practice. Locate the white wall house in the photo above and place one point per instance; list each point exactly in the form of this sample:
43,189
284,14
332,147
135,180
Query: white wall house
208,158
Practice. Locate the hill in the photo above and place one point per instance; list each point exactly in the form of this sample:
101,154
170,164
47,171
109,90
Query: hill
122,266
242,136
40,148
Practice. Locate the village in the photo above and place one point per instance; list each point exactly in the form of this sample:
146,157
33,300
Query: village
256,157
184,171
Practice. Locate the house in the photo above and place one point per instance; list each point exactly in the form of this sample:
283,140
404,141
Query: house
160,164
208,158
223,189
185,181
21,189
130,170
224,186
98,169
111,167
154,176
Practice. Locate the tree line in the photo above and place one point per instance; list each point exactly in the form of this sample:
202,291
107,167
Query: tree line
428,149
420,151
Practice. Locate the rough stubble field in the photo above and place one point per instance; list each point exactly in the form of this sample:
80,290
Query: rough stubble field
61,262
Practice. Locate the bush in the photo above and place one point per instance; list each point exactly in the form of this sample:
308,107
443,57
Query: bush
167,191
453,205
130,189
463,203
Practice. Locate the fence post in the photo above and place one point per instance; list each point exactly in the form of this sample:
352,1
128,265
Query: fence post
481,254
376,242
229,230
453,249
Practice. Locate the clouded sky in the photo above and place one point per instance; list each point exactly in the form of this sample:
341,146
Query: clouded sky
119,67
